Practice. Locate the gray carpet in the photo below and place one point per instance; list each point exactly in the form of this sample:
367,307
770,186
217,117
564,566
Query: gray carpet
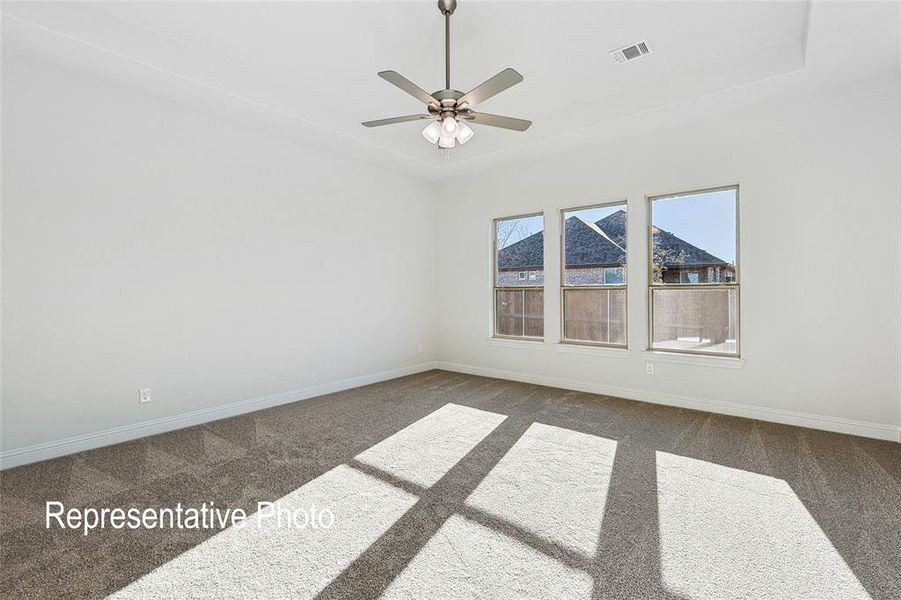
448,485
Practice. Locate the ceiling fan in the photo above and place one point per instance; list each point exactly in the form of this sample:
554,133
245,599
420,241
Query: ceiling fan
451,110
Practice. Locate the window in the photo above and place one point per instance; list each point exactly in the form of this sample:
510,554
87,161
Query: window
518,301
593,285
693,272
614,276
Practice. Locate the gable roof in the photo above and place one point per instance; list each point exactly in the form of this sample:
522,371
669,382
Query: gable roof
675,248
600,243
592,247
527,253
679,252
615,227
588,245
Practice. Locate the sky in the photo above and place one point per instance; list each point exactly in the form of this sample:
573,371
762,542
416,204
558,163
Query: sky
593,215
522,228
706,220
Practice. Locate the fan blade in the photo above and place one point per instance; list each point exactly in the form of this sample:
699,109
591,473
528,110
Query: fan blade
394,120
408,86
498,121
497,84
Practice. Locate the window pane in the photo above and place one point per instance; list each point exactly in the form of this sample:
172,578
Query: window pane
614,276
534,312
694,238
508,315
594,239
595,315
702,320
519,313
520,251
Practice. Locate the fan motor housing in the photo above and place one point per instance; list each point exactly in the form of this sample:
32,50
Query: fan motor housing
447,96
448,100
447,7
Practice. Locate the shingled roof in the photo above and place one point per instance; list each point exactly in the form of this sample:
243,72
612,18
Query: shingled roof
527,253
680,252
600,243
615,227
588,246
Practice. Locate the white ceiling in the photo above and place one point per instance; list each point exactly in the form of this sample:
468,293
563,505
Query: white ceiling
308,69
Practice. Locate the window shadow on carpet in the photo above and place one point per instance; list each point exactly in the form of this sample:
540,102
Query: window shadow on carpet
271,556
502,485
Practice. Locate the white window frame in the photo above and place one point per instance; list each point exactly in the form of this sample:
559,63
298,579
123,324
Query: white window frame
495,288
733,285
623,202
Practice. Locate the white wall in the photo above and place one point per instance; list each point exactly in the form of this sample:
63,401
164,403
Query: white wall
820,256
148,245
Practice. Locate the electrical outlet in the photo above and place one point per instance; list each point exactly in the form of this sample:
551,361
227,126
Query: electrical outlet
143,395
649,368
420,348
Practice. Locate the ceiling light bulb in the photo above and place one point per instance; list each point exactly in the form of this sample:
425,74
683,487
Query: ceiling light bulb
449,125
464,132
432,132
446,141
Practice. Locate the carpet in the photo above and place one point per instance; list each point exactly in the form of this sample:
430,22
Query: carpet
449,485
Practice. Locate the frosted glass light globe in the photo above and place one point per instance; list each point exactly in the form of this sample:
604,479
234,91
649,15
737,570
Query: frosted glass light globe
449,126
464,132
432,132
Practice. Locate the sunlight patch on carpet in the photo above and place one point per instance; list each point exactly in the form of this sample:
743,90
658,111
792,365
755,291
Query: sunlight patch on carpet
466,560
552,483
731,533
423,452
262,560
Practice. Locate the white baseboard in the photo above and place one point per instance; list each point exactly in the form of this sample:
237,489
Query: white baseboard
788,417
38,452
106,437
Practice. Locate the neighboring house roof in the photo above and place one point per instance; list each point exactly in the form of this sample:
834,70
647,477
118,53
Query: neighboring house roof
600,243
587,245
527,253
615,227
591,247
679,252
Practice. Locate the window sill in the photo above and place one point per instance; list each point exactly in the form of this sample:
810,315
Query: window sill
518,344
722,362
589,350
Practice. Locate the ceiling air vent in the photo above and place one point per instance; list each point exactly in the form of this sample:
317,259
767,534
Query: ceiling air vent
631,52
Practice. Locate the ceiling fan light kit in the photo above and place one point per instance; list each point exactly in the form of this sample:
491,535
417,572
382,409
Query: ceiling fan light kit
450,111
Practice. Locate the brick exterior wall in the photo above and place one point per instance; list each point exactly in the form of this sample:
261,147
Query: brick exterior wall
595,276
584,276
714,274
534,278
573,276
